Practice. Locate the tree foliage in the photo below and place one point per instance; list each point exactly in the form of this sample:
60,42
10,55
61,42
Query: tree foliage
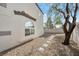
57,20
49,23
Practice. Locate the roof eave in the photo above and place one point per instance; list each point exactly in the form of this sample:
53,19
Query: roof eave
39,8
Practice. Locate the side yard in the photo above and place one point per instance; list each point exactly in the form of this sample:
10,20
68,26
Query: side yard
46,45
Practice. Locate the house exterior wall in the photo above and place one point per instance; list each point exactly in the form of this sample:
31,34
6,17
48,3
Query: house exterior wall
16,24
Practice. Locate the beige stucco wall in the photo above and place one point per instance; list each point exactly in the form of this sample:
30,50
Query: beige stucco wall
16,24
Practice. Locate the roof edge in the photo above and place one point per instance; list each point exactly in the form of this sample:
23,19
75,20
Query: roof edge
39,8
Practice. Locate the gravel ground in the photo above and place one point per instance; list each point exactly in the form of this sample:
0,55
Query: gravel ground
28,48
57,49
46,45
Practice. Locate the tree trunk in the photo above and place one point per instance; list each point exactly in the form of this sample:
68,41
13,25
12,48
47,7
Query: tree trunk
67,39
68,33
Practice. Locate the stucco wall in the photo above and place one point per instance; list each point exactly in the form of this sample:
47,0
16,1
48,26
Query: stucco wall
16,24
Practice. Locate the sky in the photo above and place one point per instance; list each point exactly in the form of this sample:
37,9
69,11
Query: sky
44,7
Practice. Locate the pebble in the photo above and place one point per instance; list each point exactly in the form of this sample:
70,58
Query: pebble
45,45
48,41
41,49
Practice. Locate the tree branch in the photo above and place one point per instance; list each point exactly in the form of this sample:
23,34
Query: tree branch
64,26
66,19
75,13
67,8
74,18
59,10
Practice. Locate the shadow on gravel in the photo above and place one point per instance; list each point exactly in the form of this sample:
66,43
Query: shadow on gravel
62,50
74,51
68,51
47,34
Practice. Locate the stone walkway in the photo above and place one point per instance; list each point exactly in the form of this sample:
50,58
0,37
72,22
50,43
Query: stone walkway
46,45
29,48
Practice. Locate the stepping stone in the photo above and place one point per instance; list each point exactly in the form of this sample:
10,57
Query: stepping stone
45,45
48,41
51,37
41,49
